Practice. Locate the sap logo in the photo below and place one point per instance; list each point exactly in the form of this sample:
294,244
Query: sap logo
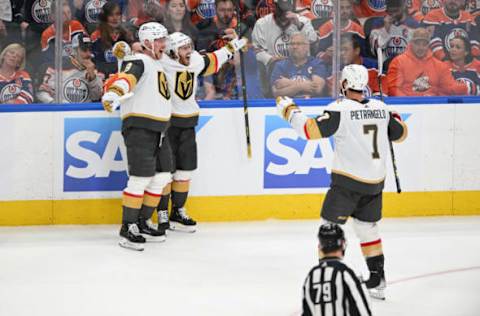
94,155
291,162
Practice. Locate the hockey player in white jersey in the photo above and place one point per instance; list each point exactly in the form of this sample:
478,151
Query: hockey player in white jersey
362,129
145,118
182,69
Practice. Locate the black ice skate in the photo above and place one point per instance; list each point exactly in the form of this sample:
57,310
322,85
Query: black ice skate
163,222
131,238
150,232
180,221
376,286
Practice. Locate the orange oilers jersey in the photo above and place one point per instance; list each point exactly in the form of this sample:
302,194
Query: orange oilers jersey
369,8
16,89
48,37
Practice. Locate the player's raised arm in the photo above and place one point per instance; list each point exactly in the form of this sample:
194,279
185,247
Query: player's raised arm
324,125
215,60
124,81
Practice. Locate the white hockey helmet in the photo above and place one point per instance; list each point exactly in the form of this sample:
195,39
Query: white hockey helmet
177,40
354,77
151,31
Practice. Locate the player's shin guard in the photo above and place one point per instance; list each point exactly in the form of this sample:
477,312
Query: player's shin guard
179,219
371,245
162,208
147,228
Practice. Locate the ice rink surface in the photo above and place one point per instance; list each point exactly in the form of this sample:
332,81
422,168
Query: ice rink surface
248,268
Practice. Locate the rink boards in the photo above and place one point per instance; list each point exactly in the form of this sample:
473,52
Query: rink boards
67,165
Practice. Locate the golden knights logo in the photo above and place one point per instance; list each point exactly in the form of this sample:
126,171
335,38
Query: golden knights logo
322,8
41,11
163,85
184,84
76,90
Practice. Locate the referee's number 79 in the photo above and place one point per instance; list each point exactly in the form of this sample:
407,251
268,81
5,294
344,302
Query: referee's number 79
323,289
373,128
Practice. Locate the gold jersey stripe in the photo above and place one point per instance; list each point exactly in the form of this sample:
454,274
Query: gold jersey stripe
212,64
404,134
132,202
373,250
167,189
312,130
185,115
180,186
150,200
155,118
351,176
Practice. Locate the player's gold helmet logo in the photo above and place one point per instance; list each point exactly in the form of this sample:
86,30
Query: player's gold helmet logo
184,84
163,85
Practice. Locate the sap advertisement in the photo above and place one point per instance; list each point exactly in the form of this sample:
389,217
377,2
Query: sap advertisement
95,156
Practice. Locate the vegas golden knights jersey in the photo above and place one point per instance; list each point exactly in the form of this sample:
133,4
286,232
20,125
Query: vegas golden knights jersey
184,80
150,106
361,132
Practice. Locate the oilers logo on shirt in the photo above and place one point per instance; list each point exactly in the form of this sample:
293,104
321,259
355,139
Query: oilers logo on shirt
322,8
206,9
395,46
41,11
456,32
428,5
10,92
377,5
75,90
281,45
93,9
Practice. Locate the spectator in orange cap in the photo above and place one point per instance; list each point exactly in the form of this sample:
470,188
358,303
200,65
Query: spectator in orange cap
416,72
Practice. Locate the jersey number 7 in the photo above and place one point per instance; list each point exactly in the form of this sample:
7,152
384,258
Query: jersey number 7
366,130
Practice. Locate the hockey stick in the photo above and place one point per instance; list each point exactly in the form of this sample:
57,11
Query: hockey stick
244,88
392,152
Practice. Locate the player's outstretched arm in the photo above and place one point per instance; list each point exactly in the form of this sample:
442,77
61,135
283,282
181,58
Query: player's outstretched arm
397,129
214,61
324,125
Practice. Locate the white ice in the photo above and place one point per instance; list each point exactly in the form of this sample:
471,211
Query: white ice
248,268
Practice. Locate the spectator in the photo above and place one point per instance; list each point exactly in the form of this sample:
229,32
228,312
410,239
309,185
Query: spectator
71,28
394,32
37,18
301,75
271,37
109,31
10,19
418,9
177,19
81,81
365,9
319,11
325,32
15,84
87,11
142,11
350,54
448,22
212,37
202,12
463,66
417,72
264,8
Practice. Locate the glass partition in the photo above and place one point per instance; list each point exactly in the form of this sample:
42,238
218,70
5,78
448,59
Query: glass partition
296,48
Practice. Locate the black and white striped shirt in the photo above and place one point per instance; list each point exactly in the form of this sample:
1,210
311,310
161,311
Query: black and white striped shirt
333,289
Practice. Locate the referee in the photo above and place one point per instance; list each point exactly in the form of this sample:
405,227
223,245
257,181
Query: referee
332,288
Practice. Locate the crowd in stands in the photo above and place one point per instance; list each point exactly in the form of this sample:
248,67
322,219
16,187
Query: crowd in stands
426,47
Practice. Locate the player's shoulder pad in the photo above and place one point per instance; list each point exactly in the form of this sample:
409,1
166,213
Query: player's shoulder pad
375,103
336,106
